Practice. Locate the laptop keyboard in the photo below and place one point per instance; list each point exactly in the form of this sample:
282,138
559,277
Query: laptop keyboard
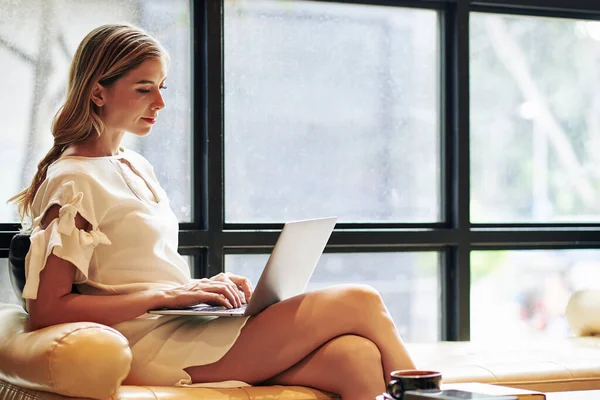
220,308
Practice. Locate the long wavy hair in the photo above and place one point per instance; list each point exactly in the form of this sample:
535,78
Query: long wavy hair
105,55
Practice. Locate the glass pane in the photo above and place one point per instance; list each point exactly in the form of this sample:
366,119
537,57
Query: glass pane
7,294
523,293
535,126
37,41
189,260
408,283
331,109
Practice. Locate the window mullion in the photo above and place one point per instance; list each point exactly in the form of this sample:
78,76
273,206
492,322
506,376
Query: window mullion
543,6
213,83
455,274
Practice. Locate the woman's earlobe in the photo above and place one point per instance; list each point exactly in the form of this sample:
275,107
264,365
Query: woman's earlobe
97,95
97,101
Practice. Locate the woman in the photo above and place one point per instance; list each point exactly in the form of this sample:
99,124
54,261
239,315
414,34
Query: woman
101,222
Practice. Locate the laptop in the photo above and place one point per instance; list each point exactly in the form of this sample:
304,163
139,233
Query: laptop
288,270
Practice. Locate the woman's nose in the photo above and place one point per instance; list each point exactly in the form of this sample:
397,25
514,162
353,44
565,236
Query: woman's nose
159,102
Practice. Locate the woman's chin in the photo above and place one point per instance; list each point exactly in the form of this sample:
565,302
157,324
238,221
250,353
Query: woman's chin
141,132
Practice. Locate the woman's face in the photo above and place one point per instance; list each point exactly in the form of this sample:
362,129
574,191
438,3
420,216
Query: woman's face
131,104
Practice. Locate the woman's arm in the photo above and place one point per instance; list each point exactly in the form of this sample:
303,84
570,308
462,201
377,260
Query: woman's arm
55,304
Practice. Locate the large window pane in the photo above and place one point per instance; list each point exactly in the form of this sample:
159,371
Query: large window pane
408,283
37,41
535,126
7,294
523,293
331,109
189,260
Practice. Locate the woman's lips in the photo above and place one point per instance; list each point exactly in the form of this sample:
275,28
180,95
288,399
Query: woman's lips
150,120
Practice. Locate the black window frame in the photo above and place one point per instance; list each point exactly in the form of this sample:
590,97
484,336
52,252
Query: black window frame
209,238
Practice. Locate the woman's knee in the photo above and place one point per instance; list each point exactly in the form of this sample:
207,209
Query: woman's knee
361,297
350,306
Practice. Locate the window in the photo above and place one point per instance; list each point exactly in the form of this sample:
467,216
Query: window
533,160
322,106
523,293
37,41
454,139
7,295
408,283
534,119
331,109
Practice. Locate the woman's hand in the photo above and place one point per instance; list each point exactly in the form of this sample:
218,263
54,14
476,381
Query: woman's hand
214,292
243,284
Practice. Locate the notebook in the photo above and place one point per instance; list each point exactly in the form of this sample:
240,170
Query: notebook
286,274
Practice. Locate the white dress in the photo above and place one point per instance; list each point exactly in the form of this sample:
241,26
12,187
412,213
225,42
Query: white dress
132,246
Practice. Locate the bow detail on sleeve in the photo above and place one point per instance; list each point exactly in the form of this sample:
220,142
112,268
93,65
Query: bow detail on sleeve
93,238
67,213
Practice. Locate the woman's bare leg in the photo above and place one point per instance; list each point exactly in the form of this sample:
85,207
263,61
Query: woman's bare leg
347,365
287,332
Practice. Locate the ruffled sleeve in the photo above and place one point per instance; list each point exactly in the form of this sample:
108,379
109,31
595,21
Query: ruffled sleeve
61,237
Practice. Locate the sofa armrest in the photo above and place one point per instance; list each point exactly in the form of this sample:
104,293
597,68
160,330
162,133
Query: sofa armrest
583,313
81,359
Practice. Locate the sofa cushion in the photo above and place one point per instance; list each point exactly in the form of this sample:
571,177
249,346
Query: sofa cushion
88,360
244,393
78,359
12,392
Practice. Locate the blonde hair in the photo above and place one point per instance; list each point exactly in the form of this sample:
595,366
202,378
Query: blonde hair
104,55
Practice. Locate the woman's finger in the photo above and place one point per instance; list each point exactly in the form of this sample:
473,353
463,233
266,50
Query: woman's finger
246,286
219,299
236,293
219,277
224,278
243,284
230,291
234,288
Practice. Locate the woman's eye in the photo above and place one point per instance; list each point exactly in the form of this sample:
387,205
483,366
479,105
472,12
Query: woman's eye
163,87
143,90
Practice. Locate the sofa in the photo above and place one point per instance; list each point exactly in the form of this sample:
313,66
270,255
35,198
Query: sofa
89,360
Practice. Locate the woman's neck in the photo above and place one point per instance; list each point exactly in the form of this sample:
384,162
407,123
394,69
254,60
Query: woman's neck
95,148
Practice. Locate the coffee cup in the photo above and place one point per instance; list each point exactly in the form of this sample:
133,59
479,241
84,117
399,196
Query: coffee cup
412,379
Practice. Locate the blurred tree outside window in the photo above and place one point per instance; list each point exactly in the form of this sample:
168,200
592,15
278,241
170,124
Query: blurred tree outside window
535,136
535,125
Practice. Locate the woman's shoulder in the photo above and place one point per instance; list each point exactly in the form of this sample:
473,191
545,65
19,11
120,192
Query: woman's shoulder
72,183
73,169
101,170
95,175
82,158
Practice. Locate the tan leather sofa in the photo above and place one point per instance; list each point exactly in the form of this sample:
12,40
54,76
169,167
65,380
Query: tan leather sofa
87,360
